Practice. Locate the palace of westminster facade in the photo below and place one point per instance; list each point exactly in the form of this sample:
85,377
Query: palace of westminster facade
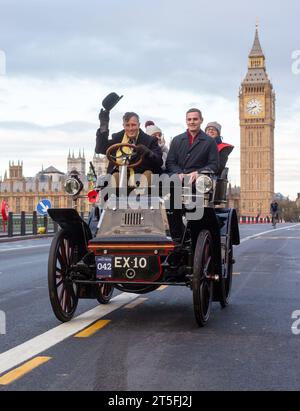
24,193
257,123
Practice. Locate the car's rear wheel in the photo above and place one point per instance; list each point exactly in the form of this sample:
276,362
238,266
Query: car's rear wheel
202,278
63,292
105,292
225,283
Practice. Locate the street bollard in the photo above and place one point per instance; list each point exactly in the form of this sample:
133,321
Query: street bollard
10,225
23,223
34,223
46,223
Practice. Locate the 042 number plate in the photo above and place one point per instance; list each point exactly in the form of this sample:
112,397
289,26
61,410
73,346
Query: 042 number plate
104,267
109,267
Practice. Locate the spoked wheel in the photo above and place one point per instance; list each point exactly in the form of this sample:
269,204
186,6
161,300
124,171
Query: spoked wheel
105,292
224,286
62,292
202,282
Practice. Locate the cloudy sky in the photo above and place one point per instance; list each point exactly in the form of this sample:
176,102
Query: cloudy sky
58,60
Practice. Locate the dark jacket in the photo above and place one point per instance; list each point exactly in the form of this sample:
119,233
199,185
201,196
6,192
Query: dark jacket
185,159
274,207
153,164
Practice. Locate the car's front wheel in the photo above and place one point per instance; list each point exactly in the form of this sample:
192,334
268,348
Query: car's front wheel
63,292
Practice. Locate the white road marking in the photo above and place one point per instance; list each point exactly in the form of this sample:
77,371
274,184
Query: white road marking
20,248
43,342
277,238
135,303
267,232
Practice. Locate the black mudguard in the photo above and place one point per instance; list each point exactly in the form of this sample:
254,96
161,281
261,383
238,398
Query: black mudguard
229,224
210,222
69,219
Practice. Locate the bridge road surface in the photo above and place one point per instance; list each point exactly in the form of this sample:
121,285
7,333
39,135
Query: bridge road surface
152,342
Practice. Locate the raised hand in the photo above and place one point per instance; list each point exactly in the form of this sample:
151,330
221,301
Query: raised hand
104,120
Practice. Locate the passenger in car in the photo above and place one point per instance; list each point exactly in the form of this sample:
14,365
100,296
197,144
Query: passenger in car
190,153
156,132
131,134
213,130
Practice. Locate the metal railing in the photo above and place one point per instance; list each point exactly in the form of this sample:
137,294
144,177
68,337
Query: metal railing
28,224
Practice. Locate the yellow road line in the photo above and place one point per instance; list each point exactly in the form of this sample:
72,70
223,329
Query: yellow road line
236,273
136,303
92,329
163,287
22,370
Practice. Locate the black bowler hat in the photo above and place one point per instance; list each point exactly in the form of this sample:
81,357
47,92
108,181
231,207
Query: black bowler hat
110,101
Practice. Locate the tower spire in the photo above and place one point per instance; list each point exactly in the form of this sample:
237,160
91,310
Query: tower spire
256,50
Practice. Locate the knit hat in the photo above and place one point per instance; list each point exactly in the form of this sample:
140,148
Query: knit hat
215,125
149,123
150,130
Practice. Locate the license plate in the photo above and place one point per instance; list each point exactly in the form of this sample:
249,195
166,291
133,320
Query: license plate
104,267
118,266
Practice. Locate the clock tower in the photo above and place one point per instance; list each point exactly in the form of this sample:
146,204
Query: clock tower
257,122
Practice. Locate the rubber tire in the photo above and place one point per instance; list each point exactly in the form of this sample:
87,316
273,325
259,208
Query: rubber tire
104,297
202,288
61,315
224,286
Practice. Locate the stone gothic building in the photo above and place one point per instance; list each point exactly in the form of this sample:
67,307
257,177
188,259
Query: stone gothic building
257,123
24,193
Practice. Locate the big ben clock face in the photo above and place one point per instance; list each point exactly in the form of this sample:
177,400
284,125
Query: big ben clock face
254,107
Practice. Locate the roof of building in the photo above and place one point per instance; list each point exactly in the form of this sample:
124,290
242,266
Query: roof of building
52,170
256,50
257,75
280,196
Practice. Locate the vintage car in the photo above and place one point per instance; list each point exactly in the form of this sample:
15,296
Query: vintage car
132,249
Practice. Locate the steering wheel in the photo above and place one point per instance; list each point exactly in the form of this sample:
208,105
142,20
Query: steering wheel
112,155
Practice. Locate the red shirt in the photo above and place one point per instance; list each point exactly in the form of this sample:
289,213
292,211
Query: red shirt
191,138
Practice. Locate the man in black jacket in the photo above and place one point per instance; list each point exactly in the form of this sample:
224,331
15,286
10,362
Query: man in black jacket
189,154
274,210
193,151
131,134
